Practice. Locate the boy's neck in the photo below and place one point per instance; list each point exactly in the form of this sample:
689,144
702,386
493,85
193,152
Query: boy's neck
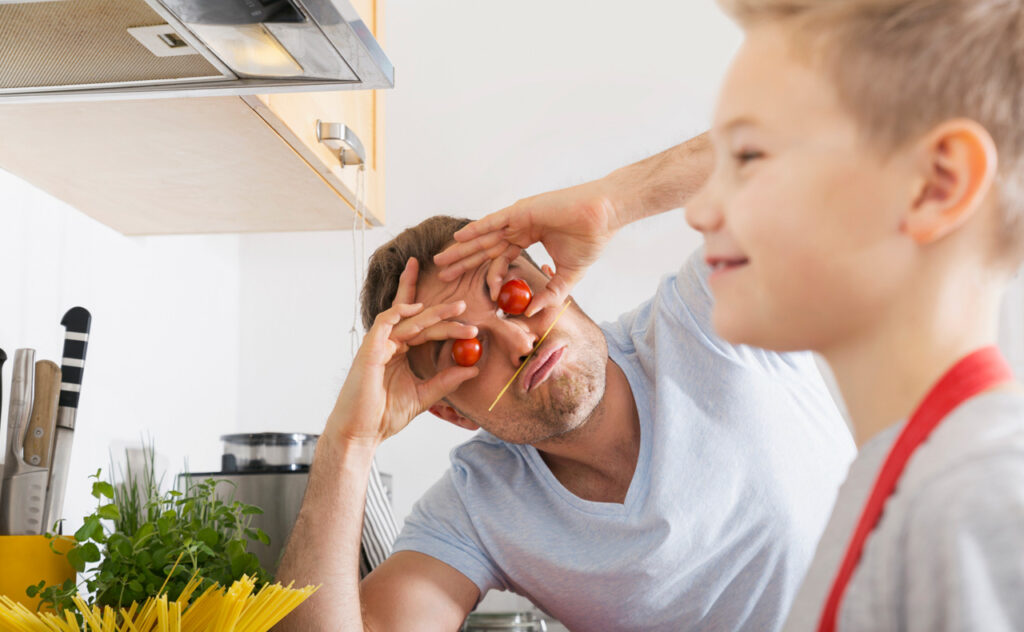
885,373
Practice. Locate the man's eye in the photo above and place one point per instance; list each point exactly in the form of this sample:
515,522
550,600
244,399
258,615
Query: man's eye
747,155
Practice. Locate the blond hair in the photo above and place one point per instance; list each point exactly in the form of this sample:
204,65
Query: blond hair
901,67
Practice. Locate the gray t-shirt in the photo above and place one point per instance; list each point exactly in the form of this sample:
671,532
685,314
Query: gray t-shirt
742,451
948,552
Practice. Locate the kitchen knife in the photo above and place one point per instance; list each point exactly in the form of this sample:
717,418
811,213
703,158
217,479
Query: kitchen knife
39,437
24,485
77,322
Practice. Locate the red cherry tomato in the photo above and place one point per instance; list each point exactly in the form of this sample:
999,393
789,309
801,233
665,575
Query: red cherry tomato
466,352
514,296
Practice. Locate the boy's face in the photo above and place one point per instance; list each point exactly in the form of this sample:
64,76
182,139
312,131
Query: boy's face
557,389
801,218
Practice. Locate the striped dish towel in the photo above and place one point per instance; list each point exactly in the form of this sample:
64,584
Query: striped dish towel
379,528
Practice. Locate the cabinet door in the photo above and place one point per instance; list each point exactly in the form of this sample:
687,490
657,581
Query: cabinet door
202,165
294,116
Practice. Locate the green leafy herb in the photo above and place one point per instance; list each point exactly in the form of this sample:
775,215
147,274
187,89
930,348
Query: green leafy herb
145,540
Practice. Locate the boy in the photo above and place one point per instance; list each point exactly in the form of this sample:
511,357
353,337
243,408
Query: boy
866,204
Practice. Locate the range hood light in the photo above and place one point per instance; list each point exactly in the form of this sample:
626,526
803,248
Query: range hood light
248,49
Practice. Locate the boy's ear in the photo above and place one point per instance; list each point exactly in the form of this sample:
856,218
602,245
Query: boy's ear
958,167
449,414
548,270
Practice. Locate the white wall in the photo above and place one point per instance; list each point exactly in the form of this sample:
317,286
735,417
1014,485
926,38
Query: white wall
163,354
194,337
494,101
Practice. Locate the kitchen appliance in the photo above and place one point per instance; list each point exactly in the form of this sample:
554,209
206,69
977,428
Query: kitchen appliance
87,49
270,470
23,499
77,322
503,622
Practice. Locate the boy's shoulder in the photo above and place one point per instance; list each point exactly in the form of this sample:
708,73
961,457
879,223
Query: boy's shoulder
974,460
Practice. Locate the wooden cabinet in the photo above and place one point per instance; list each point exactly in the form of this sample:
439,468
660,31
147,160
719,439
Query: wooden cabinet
202,165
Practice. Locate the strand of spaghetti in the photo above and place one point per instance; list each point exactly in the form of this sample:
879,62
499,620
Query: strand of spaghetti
160,592
129,621
109,620
175,619
129,616
198,615
532,351
291,600
88,614
256,610
186,593
18,615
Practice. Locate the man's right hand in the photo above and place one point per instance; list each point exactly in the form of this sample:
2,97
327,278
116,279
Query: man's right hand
381,394
574,224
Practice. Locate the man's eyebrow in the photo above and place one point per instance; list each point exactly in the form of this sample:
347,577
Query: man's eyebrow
736,123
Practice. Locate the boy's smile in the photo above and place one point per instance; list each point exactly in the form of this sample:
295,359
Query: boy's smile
800,213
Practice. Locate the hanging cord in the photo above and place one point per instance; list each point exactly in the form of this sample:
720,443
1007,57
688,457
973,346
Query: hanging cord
358,259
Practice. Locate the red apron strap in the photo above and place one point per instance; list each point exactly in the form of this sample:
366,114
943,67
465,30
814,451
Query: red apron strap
975,373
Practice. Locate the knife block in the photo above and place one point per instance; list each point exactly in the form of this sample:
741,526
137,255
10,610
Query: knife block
28,559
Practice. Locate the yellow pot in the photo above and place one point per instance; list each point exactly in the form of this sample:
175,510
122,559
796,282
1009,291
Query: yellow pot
26,559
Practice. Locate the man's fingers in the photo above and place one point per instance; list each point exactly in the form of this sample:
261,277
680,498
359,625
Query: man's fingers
407,282
489,223
411,327
499,268
378,346
482,251
394,315
455,252
444,383
443,331
455,270
554,294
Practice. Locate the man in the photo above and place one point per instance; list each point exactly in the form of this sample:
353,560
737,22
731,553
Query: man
646,475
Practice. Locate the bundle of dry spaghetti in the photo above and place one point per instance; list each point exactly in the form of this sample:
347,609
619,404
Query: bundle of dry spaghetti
234,609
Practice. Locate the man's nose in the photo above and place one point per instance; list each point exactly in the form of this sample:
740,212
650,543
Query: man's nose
703,211
515,337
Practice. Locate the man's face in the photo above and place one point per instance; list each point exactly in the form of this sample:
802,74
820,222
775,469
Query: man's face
801,218
557,389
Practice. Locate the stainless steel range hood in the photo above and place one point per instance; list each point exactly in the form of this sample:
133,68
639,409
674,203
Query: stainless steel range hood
117,49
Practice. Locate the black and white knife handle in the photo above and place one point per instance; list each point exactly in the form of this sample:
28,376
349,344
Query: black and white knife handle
76,322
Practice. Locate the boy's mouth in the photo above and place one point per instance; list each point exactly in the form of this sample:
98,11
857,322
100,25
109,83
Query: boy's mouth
721,264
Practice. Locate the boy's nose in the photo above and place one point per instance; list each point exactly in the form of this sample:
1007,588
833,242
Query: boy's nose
703,211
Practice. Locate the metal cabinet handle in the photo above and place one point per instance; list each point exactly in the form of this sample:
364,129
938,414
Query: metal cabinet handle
342,141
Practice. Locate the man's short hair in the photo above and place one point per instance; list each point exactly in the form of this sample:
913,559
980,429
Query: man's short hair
901,67
422,241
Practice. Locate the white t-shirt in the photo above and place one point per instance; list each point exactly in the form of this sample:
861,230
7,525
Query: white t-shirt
741,454
948,551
